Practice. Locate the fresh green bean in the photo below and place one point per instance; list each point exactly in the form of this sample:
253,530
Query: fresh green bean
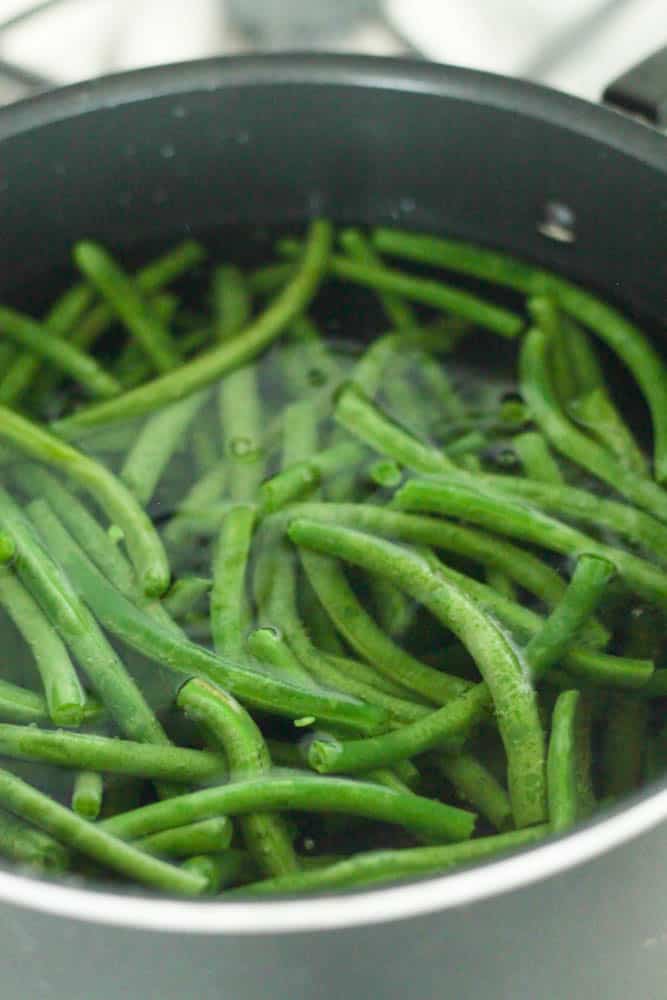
242,423
144,545
423,290
231,302
37,482
268,646
99,753
64,695
606,322
185,594
293,482
19,375
562,763
519,520
362,633
135,628
127,301
27,846
156,444
208,836
228,598
475,784
87,794
229,355
374,867
90,839
513,696
396,309
32,336
301,792
206,491
539,395
265,835
536,459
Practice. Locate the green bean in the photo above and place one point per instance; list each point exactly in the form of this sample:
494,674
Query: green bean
127,301
17,704
301,792
133,356
547,318
156,444
580,505
144,545
539,395
536,459
300,432
208,836
185,594
265,835
92,840
135,628
268,646
231,354
362,633
99,753
87,794
77,627
474,783
587,588
508,516
27,846
37,482
583,749
359,416
64,695
623,744
229,572
369,675
37,339
513,697
205,491
242,425
624,338
397,311
561,763
270,278
521,566
426,291
19,375
231,303
281,607
293,482
373,867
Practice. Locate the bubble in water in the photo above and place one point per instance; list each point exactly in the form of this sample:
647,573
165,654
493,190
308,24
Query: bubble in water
60,169
178,111
245,449
308,844
407,205
130,151
167,151
559,222
243,138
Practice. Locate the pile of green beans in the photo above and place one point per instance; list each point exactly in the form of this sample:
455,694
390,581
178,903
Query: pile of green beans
297,592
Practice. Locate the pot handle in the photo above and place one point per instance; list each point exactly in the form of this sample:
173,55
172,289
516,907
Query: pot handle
642,91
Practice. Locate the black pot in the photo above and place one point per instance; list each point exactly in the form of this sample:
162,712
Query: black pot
158,154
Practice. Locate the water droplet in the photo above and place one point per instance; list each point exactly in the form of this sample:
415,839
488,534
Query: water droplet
308,844
178,111
167,151
130,151
559,222
407,205
245,449
60,169
243,138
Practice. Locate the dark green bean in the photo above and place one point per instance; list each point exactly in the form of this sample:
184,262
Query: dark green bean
475,784
301,792
208,836
231,302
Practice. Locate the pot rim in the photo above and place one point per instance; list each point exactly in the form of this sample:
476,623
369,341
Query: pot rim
417,898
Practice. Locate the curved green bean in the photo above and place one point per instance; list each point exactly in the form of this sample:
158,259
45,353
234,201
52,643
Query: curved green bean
231,354
561,763
266,836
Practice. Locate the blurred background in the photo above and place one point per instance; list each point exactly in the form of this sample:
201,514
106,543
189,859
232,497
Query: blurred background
575,45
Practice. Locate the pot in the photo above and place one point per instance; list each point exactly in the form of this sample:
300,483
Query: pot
162,153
